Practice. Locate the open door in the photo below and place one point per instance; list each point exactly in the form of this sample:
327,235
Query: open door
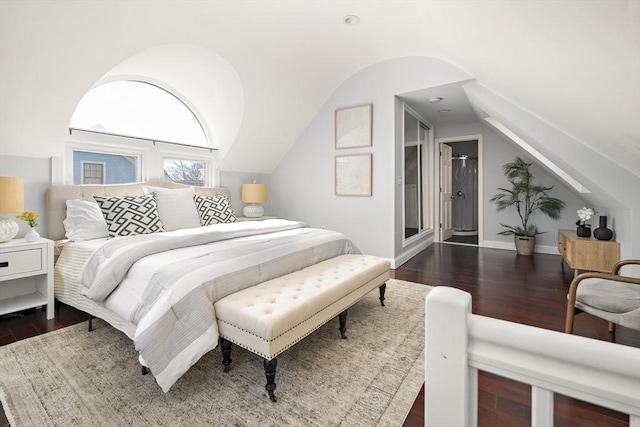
446,229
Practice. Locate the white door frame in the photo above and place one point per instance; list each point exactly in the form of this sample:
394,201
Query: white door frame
478,138
446,196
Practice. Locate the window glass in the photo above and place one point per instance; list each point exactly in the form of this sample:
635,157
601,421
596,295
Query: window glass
104,168
92,173
188,172
138,109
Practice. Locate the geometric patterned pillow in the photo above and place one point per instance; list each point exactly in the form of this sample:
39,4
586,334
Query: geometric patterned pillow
129,215
214,209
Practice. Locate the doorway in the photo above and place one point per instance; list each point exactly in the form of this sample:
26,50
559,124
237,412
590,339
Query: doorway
460,190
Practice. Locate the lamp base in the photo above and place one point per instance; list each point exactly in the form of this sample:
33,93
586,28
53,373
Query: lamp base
253,211
8,229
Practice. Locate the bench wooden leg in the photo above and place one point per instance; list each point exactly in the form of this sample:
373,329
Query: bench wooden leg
382,288
90,323
270,372
343,324
226,353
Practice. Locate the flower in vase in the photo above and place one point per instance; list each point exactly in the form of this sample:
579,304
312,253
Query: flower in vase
29,217
585,215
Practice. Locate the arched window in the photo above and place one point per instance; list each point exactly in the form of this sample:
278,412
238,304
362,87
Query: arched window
129,110
138,109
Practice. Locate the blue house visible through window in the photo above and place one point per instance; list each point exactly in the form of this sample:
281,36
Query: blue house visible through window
103,168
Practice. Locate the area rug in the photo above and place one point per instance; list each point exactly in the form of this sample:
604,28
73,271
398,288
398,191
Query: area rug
74,377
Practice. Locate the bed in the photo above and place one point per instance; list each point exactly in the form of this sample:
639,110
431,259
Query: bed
157,283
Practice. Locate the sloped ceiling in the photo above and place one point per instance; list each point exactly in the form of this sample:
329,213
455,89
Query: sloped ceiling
573,64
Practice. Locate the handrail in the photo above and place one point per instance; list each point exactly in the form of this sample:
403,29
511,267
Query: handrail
598,372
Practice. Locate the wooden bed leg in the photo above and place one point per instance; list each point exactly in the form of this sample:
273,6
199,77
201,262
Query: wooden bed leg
145,370
343,324
90,323
270,372
382,288
226,353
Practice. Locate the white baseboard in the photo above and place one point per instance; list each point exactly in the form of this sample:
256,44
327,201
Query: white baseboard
540,249
411,252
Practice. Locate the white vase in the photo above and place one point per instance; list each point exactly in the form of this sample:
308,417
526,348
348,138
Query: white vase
32,235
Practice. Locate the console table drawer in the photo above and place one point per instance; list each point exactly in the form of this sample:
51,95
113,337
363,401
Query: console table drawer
587,253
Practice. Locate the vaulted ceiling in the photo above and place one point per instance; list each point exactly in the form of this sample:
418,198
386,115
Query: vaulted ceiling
573,64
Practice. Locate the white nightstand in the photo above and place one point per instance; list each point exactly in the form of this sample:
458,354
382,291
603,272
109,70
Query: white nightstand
26,275
260,218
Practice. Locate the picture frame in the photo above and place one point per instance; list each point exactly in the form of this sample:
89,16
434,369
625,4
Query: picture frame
353,175
353,126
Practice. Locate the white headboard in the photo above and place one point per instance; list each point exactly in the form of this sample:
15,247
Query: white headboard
57,196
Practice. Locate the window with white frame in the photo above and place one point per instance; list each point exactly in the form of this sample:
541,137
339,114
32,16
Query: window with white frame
92,172
94,167
125,126
188,172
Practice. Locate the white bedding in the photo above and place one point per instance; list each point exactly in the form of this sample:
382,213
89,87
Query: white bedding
149,303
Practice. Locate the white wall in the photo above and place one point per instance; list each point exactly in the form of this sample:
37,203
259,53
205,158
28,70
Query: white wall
36,182
303,183
496,151
614,190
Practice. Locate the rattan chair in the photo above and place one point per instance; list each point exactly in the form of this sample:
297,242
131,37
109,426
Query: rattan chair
612,296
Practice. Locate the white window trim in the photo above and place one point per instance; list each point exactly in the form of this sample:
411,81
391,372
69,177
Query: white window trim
103,145
150,156
192,155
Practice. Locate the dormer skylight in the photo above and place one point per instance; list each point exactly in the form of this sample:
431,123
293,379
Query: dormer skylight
539,156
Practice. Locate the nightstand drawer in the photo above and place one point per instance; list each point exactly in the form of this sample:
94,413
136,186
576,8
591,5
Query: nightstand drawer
20,262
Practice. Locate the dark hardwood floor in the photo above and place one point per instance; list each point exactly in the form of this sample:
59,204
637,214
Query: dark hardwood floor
528,290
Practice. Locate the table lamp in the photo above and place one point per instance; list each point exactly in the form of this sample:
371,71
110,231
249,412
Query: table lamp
11,201
253,193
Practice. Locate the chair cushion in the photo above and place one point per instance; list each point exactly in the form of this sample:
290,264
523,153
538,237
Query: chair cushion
614,301
609,295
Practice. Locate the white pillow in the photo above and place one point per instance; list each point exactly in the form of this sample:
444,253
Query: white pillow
176,207
84,221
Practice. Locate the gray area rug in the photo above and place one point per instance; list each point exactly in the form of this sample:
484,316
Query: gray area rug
74,377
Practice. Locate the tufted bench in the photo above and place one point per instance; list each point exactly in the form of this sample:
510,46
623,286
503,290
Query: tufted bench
268,318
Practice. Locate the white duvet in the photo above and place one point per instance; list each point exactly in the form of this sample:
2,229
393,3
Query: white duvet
166,285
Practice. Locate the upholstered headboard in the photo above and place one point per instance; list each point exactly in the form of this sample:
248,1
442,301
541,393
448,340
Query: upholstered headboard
57,196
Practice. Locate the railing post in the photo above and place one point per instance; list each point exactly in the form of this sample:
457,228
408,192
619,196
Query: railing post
541,407
446,361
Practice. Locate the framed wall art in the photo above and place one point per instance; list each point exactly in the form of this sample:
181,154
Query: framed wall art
353,126
353,175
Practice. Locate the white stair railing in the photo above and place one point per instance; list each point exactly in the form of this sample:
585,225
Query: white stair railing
459,343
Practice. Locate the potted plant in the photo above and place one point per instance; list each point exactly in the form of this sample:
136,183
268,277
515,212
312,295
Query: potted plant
527,198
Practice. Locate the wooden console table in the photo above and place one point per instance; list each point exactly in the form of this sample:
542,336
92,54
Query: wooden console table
587,253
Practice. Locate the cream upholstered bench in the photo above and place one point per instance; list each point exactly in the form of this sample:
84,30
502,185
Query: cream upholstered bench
268,318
